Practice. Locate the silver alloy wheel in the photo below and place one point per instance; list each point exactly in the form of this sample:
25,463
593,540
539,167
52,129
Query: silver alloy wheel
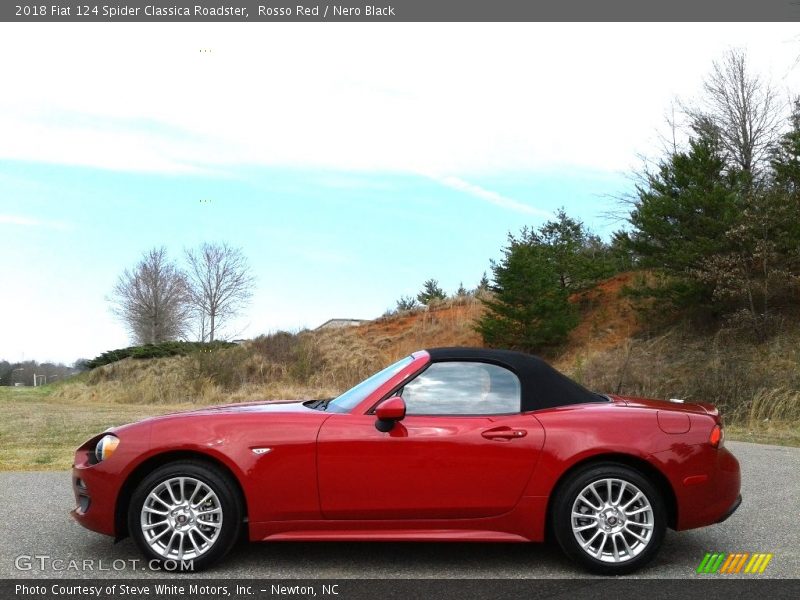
612,520
181,518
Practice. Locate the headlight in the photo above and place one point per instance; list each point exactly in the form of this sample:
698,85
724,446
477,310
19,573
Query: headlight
106,447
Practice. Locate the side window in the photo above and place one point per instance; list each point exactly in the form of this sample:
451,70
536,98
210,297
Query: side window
463,388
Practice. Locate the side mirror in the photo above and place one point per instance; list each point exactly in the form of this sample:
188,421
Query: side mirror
389,412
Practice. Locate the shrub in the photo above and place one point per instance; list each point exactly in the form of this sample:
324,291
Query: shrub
159,350
222,366
279,347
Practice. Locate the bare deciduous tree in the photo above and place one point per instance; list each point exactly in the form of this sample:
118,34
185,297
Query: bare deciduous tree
220,284
152,299
744,109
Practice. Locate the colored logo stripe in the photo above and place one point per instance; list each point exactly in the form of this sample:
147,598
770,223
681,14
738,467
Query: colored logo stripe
722,563
711,562
758,563
734,563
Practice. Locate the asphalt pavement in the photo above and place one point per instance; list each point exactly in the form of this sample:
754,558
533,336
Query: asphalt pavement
38,538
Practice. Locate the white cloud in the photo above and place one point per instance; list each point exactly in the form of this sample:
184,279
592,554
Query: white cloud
465,100
493,197
31,222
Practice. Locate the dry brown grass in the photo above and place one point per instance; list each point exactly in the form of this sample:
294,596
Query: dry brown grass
178,381
308,365
752,384
41,427
450,323
608,319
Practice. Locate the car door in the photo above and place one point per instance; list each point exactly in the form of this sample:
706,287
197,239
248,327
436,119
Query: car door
463,450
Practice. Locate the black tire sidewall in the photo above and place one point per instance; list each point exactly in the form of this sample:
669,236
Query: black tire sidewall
562,516
217,480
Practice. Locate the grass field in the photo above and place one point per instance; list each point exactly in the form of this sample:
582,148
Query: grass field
40,432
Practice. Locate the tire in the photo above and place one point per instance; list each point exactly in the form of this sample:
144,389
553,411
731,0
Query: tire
633,521
188,512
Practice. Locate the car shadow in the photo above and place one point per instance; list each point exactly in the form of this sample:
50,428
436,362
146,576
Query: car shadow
399,559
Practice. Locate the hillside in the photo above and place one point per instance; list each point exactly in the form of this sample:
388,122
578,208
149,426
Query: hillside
448,324
607,321
610,351
756,385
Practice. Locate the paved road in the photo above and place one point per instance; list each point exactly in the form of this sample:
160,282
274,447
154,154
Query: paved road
36,522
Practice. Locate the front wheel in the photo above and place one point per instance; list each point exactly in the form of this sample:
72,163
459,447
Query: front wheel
187,512
610,518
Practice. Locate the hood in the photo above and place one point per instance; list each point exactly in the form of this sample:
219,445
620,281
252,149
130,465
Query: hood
242,408
271,406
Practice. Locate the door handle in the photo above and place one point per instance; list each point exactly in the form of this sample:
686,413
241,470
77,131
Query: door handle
504,433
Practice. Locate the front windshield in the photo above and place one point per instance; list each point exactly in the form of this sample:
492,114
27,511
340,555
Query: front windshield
352,397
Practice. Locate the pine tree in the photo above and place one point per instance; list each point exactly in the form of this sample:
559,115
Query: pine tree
785,164
431,293
530,310
406,303
684,208
785,157
761,268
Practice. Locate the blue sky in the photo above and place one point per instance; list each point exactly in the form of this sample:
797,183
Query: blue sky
321,244
350,162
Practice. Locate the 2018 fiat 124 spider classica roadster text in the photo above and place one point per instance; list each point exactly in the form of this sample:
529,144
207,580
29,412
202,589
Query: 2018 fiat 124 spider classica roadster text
447,444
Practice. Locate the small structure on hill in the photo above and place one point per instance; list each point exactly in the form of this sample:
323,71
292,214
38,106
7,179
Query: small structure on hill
338,323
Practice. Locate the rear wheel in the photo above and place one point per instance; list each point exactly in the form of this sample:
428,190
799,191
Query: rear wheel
610,518
188,512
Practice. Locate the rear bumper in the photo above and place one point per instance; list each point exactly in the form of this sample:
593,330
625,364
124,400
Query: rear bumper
706,482
731,510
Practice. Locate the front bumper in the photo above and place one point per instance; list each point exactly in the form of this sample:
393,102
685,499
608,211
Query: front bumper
95,487
93,509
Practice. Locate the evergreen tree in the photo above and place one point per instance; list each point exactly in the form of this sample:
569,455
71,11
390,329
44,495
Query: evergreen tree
482,288
529,309
406,303
755,272
760,270
785,164
785,157
684,208
578,256
431,293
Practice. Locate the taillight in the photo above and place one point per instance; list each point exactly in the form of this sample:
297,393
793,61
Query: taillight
717,436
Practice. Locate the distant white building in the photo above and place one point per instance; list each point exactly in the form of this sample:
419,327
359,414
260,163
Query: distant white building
338,323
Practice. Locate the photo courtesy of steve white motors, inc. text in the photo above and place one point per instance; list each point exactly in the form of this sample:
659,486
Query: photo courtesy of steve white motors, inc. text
172,589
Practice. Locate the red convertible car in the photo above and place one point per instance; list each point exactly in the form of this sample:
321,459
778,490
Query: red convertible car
455,444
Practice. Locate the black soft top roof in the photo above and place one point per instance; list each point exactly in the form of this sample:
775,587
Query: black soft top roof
542,386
